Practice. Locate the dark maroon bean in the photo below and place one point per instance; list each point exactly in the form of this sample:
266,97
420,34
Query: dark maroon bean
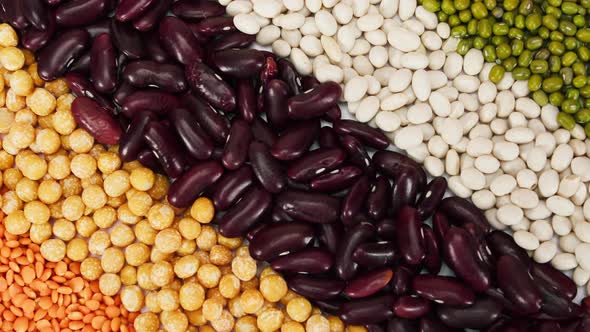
154,49
80,13
315,163
178,40
310,207
262,132
430,323
404,190
154,100
296,140
378,198
312,260
354,199
214,26
329,306
123,91
269,71
34,39
401,283
275,103
433,260
517,285
584,325
336,180
411,307
386,229
152,15
556,305
80,86
330,235
36,13
375,328
460,254
345,268
254,230
374,254
461,211
333,114
368,135
314,103
267,169
132,141
431,197
81,65
147,73
289,74
546,327
13,12
231,187
242,216
128,40
100,27
401,325
103,64
197,143
214,124
96,120
55,58
391,163
165,145
193,182
557,280
148,159
315,288
128,10
277,239
210,86
235,39
440,226
501,243
246,100
369,283
235,151
367,311
409,235
279,216
328,138
239,63
197,10
357,154
444,290
483,313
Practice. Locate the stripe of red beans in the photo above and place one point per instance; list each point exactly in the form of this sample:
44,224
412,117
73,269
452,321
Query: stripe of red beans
344,222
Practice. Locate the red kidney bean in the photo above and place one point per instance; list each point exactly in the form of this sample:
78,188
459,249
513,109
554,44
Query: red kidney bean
357,154
246,100
315,102
193,182
36,13
333,114
275,103
517,285
262,132
459,253
212,122
178,40
401,325
345,268
547,327
556,305
239,63
34,39
327,138
269,71
123,91
154,49
210,86
444,290
128,10
132,141
280,216
103,64
312,260
94,29
62,51
189,9
80,86
462,211
128,40
244,215
328,306
584,325
315,163
374,254
149,100
431,197
386,229
509,325
296,140
411,307
214,26
96,120
336,180
13,12
367,311
277,239
483,313
147,73
375,328
501,243
402,281
152,15
289,74
267,169
81,65
354,199
368,135
369,283
431,323
378,198
404,190
433,260
235,39
392,163
231,187
148,159
555,279
77,13
315,288
235,151
165,145
197,143
440,226
330,235
310,207
409,235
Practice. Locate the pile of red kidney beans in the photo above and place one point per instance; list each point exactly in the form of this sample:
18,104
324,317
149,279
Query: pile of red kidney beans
341,217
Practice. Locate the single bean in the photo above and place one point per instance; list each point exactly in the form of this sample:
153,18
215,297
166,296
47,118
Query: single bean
378,198
268,170
132,141
337,180
61,52
165,145
127,40
333,114
315,163
315,288
214,26
330,235
34,39
312,260
246,213
401,283
204,82
280,216
235,152
462,211
239,63
214,124
391,163
314,103
517,285
483,313
557,280
254,230
149,100
151,16
329,306
440,226
411,307
354,199
77,13
275,103
368,284
409,235
198,144
289,74
431,197
81,65
368,135
357,154
98,121
80,86
556,305
231,187
296,140
375,254
148,159
345,268
328,138
460,254
147,73
444,290
103,64
310,207
178,40
231,40
277,239
36,13
246,100
405,190
432,260
262,132
386,229
192,10
128,10
367,311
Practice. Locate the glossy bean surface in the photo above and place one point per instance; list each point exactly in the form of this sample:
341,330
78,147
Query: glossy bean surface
80,86
262,132
62,51
268,170
231,187
444,290
310,207
378,198
246,213
96,120
296,141
368,135
239,63
501,243
214,124
409,235
213,26
557,280
289,74
366,311
336,180
36,13
275,103
461,211
34,39
235,39
374,254
432,260
277,239
517,285
235,152
312,261
197,9
386,229
401,283
369,283
330,235
315,163
147,73
246,100
208,85
391,163
198,144
151,16
354,199
411,307
357,154
103,64
314,103
165,145
178,40
127,39
459,254
127,10
132,141
405,190
431,197
345,268
80,12
483,313
149,100
315,288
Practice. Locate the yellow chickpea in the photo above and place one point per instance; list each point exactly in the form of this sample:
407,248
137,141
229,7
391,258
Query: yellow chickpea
212,309
168,240
273,288
209,275
229,286
186,266
59,167
22,83
160,216
207,238
12,58
16,223
136,254
27,189
83,166
142,178
299,309
116,202
63,121
232,243
112,260
139,202
160,187
162,273
27,116
85,226
336,324
94,197
48,141
71,186
151,302
11,177
104,217
191,296
128,275
41,102
90,268
203,210
145,233
122,235
81,141
77,250
11,203
64,229
6,120
270,319
251,301
224,323
40,233
8,36
355,328
144,279
108,162
53,250
244,267
146,322
187,247
189,228
174,321
14,102
21,135
117,183
73,208
49,191
168,299
125,215
58,87
98,242
109,284
6,160
293,327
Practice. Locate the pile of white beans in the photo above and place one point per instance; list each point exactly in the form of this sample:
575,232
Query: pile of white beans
400,73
